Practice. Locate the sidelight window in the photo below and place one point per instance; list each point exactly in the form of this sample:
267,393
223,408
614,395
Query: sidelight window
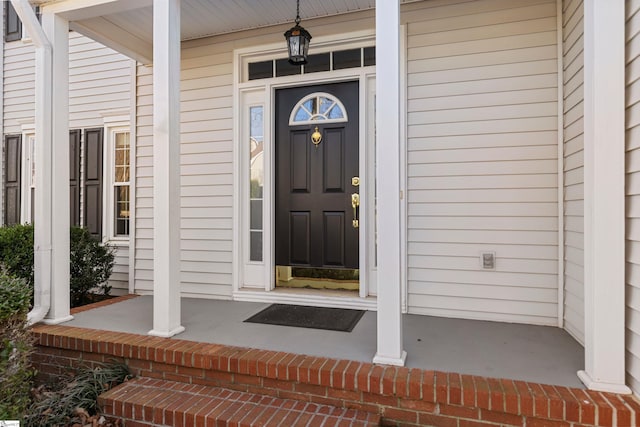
256,190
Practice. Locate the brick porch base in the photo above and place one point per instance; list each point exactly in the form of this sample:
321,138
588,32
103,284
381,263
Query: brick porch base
399,395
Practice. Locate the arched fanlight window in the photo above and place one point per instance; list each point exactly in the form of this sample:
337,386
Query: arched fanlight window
318,107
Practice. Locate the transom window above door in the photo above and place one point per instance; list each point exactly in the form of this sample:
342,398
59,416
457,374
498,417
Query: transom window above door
316,107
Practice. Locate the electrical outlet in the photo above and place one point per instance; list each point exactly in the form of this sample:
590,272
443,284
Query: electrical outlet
488,260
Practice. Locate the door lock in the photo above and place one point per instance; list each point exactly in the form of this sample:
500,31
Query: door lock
355,203
355,181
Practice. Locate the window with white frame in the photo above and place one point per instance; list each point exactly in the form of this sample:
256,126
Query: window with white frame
120,182
31,144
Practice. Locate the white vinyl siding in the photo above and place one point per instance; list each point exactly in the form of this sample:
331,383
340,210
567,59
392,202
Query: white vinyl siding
99,84
482,159
633,196
206,147
573,63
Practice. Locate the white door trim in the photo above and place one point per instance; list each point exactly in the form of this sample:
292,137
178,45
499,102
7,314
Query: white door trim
266,88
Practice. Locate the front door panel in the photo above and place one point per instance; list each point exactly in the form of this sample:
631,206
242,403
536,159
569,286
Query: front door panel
314,213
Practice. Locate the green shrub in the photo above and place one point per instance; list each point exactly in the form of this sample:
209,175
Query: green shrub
91,266
91,262
16,345
77,399
16,251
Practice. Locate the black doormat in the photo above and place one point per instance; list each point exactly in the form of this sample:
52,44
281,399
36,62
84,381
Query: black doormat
331,319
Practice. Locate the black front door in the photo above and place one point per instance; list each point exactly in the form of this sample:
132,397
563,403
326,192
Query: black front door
315,224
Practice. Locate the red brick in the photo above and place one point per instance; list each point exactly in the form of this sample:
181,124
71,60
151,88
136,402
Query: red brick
379,399
525,397
441,387
571,404
325,372
540,401
460,411
468,390
501,418
400,415
510,397
415,384
455,389
388,380
482,392
623,413
437,420
587,407
538,422
470,423
401,381
303,368
316,390
605,411
418,405
556,404
337,393
337,373
363,377
497,394
247,379
315,369
375,379
351,374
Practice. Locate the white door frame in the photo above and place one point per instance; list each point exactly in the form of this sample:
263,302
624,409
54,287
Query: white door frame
249,93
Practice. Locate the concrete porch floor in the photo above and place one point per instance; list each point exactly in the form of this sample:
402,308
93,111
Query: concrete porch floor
539,354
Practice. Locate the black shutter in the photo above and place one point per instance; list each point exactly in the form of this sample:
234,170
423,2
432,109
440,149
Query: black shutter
12,24
74,176
12,173
93,181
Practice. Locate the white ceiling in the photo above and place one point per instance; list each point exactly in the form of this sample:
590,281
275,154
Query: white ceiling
127,25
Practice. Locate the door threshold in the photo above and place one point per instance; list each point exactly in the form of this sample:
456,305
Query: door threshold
311,297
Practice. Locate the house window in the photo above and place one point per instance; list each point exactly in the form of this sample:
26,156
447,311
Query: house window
31,161
256,190
121,183
12,23
318,107
13,28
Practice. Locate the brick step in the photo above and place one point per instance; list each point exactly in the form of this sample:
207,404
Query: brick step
153,402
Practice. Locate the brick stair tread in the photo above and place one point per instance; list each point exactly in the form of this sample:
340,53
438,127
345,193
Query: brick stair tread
154,402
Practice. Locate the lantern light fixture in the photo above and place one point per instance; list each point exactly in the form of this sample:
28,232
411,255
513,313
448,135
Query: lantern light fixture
297,41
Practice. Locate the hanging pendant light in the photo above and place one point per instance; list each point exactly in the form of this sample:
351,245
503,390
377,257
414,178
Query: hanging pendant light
297,41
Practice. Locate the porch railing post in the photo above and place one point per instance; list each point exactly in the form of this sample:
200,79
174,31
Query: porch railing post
166,168
389,345
604,196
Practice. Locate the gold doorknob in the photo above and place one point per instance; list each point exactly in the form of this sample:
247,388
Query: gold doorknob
355,203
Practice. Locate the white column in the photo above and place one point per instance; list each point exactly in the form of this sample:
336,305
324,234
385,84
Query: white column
51,218
390,348
166,168
604,184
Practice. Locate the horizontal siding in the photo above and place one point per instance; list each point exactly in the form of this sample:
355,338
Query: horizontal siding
483,159
119,280
206,113
573,168
99,85
633,197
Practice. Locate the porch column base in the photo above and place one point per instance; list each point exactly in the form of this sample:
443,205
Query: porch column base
386,360
168,334
57,320
601,386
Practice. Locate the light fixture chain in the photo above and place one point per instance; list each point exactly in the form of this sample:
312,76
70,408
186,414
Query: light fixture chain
297,12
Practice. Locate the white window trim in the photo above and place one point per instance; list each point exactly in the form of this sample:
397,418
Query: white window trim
111,128
28,132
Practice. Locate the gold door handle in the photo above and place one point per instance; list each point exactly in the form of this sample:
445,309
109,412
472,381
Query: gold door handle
355,203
